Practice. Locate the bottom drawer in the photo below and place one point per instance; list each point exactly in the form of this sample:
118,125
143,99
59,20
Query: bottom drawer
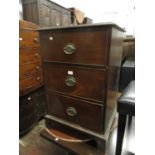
30,82
83,113
26,123
26,106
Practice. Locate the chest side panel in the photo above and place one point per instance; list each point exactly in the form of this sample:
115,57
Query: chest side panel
114,63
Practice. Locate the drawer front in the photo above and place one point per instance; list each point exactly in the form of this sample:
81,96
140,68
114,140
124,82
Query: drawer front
28,38
26,106
30,82
76,111
83,47
81,82
29,55
30,70
26,123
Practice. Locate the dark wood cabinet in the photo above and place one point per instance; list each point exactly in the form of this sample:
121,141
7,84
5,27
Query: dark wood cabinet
27,113
128,48
46,13
82,66
32,107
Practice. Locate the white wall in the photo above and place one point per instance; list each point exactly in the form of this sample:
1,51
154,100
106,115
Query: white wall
20,10
119,11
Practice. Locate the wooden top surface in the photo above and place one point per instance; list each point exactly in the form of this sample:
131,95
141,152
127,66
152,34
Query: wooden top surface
108,24
23,24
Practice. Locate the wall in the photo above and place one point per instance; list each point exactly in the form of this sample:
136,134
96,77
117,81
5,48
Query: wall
20,10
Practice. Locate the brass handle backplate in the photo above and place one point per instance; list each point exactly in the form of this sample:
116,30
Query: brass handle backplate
69,48
71,111
70,81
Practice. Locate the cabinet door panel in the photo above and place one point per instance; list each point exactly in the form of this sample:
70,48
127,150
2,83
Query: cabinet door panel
56,17
65,20
46,15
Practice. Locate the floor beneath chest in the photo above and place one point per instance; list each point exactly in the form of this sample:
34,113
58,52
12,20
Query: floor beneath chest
33,144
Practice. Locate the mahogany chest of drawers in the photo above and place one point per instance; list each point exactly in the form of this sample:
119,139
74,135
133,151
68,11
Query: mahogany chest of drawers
82,66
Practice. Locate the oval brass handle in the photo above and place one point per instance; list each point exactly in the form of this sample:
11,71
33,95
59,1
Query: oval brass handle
71,111
70,81
69,48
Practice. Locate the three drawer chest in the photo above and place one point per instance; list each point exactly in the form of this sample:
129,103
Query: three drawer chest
82,66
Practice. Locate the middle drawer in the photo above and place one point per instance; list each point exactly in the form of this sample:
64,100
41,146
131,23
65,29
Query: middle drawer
30,70
83,82
29,55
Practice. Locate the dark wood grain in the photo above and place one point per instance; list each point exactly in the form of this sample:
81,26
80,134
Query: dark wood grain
31,109
86,79
27,106
58,104
90,44
113,73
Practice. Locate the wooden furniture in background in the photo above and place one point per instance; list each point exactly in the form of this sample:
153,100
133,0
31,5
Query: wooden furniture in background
87,20
46,13
128,48
125,108
30,64
32,107
77,16
82,66
30,76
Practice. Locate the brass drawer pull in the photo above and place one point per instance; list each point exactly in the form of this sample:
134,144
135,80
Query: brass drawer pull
38,78
69,48
37,67
29,98
36,40
36,54
50,38
71,111
70,81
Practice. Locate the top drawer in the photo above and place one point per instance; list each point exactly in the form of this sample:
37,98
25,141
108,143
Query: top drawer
28,38
81,47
